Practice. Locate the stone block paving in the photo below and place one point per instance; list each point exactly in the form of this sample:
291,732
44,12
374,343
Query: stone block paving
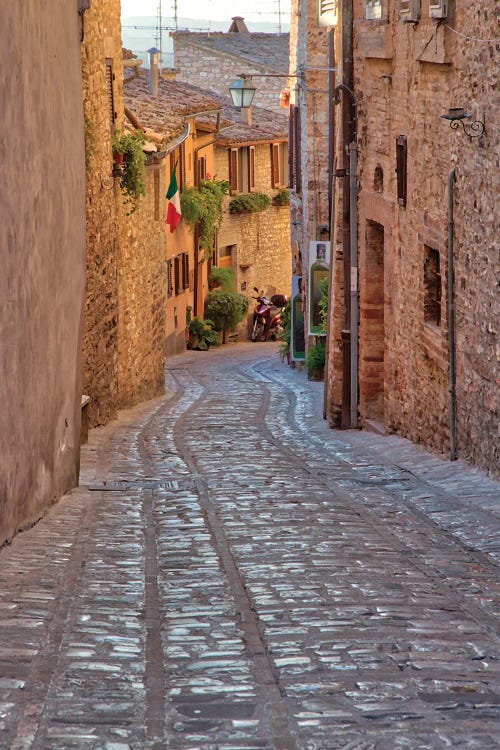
233,575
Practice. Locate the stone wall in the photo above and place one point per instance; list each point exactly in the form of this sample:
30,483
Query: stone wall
42,249
406,76
100,352
142,285
214,71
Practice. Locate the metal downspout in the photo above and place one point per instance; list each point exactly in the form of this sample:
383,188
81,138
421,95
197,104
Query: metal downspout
451,318
353,200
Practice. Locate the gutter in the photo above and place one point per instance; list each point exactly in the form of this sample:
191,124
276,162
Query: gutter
177,141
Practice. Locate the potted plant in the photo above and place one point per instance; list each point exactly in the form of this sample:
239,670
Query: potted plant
201,334
282,197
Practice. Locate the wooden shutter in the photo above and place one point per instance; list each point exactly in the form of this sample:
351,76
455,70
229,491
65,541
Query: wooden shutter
291,146
202,168
251,168
275,165
233,169
401,168
110,77
177,275
296,156
185,271
170,285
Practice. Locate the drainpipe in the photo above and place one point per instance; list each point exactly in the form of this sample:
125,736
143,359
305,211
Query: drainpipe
353,200
451,318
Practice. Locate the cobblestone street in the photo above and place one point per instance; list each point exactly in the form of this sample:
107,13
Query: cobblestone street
233,575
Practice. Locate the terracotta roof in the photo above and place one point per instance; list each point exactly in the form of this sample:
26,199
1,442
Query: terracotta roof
164,116
267,51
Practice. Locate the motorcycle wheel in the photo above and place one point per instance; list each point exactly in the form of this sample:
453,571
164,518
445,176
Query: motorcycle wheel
257,330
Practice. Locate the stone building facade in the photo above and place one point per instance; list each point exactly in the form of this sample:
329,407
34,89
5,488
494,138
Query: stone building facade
311,119
412,63
213,61
42,249
255,245
123,349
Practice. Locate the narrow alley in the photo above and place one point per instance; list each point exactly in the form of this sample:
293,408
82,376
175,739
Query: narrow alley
233,575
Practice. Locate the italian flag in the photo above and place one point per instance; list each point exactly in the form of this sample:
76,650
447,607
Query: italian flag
174,206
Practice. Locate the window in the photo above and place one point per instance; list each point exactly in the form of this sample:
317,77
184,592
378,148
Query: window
279,164
242,169
170,286
110,77
373,10
432,286
202,169
185,271
409,10
401,168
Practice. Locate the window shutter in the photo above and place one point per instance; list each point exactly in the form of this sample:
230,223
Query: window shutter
409,10
401,168
251,168
291,146
177,275
110,77
438,8
185,271
327,13
170,286
202,168
297,150
233,169
275,165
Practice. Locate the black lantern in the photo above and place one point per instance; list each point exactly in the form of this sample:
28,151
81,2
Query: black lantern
242,92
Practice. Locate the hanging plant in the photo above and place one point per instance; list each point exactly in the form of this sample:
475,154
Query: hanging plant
133,171
202,207
249,203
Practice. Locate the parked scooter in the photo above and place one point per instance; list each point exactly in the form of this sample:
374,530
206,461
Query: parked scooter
267,316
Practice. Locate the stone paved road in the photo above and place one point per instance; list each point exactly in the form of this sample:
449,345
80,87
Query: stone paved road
233,575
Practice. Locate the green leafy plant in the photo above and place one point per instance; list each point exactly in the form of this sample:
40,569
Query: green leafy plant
202,207
249,203
201,334
132,180
282,197
315,360
226,309
223,278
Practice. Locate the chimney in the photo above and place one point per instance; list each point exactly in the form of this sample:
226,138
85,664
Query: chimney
238,26
153,71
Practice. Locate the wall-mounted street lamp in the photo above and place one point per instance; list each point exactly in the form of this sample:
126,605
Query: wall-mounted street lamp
242,92
457,116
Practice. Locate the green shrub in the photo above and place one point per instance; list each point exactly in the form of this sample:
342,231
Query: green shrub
222,277
249,203
323,303
282,197
132,180
315,360
201,334
225,309
202,207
